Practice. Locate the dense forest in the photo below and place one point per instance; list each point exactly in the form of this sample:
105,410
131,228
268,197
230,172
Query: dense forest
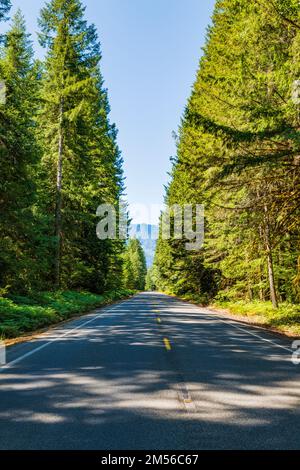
135,268
59,161
59,157
238,153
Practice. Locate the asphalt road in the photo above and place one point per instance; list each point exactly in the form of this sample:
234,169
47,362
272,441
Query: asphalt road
151,373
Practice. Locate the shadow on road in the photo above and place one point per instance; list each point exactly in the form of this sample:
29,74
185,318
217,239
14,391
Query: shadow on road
112,385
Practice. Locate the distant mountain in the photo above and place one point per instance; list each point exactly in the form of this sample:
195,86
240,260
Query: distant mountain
148,235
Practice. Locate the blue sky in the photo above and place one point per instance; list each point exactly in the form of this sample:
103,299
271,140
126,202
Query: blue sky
151,51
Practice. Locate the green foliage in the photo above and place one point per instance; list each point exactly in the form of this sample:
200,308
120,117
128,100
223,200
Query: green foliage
152,278
20,315
180,272
59,158
5,6
286,318
135,269
238,154
81,163
18,159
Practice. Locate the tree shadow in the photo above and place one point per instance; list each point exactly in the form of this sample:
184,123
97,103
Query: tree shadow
112,385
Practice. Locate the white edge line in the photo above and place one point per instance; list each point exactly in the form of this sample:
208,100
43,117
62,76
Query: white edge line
228,322
256,335
53,340
232,323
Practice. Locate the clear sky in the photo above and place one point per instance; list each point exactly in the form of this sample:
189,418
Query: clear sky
151,50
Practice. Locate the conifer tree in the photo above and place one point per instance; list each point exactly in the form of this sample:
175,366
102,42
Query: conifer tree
81,162
238,154
5,6
18,155
135,269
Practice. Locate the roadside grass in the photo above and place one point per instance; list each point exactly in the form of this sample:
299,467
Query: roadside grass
285,319
20,315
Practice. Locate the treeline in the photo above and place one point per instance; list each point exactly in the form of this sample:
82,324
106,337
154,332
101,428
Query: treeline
135,267
239,155
59,158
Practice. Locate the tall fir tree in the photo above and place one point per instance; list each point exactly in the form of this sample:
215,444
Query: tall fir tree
5,6
135,269
238,154
18,156
81,163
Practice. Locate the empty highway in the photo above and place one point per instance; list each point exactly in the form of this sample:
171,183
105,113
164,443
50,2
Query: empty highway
151,373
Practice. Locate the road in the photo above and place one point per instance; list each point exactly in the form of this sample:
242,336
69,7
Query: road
151,373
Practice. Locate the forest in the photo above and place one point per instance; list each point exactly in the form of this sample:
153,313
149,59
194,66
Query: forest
238,154
59,161
118,329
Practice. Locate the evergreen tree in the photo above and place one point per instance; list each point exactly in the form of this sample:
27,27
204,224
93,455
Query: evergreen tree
18,155
238,153
135,269
81,163
152,278
5,6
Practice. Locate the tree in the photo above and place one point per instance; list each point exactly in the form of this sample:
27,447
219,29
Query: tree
135,269
152,278
5,6
18,156
81,164
238,150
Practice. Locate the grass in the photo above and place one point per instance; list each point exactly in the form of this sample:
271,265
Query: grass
285,319
20,315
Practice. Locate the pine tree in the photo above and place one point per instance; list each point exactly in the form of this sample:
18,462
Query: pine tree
5,6
152,278
238,154
18,155
135,269
81,162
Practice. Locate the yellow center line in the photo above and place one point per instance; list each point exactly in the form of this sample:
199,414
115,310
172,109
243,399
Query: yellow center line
167,344
158,320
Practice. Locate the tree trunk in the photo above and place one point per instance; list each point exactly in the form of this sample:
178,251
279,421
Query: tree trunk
58,208
249,283
273,293
261,269
261,292
250,291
